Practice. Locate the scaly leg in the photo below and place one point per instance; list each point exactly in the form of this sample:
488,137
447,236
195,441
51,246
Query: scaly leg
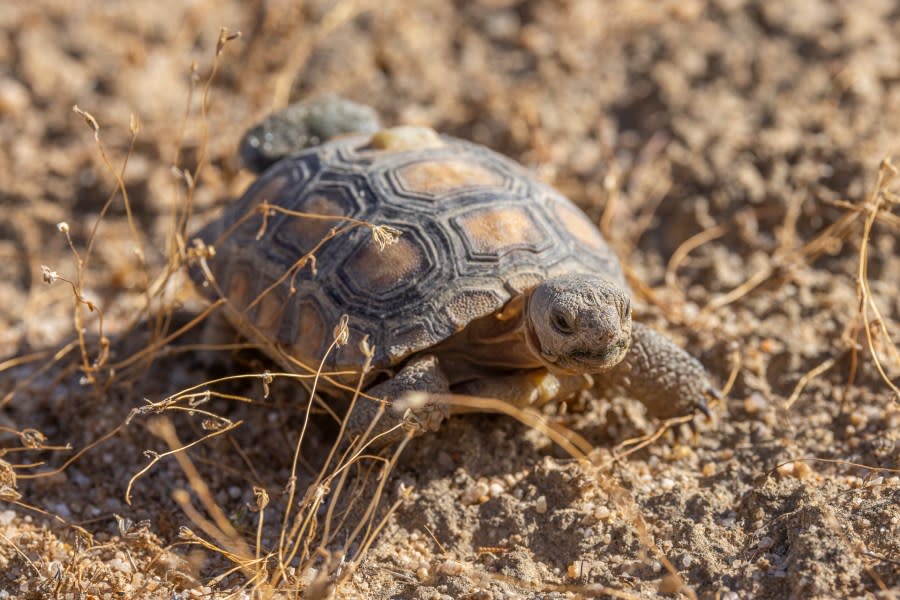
666,379
419,375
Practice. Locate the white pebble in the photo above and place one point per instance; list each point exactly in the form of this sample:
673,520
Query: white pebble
450,567
119,565
476,494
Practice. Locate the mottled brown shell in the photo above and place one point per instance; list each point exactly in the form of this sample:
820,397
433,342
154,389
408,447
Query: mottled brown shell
475,229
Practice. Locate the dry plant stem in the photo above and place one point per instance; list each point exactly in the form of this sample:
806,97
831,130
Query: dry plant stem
356,491
77,455
369,515
370,538
645,218
176,241
574,444
180,218
688,246
24,556
158,457
754,281
224,37
804,381
828,240
190,537
645,440
183,499
45,514
885,218
737,360
87,366
849,337
611,188
18,361
292,483
886,174
119,175
833,461
25,382
157,345
84,261
337,443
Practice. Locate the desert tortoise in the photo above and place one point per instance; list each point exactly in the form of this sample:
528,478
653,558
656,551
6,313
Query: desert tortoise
462,271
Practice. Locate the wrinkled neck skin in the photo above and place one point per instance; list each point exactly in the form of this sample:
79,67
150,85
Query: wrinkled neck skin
500,342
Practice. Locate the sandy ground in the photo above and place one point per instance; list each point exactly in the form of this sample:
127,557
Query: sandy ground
736,150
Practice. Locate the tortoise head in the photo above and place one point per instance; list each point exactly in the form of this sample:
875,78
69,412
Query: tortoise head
579,323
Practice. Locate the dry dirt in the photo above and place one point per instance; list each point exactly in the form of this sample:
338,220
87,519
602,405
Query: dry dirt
760,126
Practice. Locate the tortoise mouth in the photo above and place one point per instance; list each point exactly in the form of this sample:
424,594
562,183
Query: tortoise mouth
588,360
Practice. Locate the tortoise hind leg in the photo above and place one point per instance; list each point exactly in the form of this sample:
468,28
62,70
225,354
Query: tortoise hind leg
421,374
303,125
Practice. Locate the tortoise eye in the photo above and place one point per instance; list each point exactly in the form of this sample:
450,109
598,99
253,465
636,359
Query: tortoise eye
562,322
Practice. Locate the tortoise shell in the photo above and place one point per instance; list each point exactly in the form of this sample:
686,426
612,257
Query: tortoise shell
475,230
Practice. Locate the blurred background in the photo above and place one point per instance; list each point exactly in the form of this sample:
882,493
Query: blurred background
757,126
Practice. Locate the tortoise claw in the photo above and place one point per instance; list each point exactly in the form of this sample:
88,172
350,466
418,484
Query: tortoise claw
713,393
702,407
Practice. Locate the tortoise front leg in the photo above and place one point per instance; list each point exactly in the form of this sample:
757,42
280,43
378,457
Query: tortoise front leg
422,374
666,379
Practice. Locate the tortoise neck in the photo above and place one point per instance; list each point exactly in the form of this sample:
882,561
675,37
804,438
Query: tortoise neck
501,341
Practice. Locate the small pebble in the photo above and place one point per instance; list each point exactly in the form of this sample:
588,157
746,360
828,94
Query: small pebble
477,494
14,97
119,565
495,489
540,505
450,567
755,403
799,470
858,420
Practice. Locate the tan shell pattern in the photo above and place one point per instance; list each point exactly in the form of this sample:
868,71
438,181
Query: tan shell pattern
475,230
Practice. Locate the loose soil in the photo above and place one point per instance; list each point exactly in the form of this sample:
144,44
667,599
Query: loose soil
736,153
